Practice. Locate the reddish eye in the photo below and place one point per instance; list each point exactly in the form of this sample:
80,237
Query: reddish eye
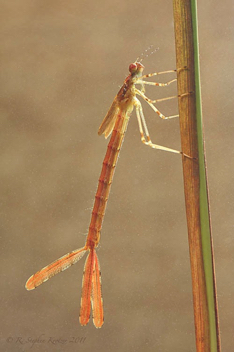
132,67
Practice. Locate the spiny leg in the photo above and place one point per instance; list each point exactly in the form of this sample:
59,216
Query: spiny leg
157,84
158,73
153,107
141,119
163,99
162,72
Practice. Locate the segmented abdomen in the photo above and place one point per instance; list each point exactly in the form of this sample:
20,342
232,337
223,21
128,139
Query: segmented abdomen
105,180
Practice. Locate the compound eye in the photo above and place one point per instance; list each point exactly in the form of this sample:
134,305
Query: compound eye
132,67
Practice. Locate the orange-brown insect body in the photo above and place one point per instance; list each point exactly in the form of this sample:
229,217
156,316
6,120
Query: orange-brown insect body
115,122
124,105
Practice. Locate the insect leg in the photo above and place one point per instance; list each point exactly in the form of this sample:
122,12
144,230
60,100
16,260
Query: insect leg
157,84
162,72
158,73
144,131
153,107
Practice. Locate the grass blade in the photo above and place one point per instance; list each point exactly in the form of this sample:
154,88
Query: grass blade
195,179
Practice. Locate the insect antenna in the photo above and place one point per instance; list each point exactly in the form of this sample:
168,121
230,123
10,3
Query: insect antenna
146,53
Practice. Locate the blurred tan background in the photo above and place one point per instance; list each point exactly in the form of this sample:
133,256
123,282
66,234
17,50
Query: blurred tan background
62,63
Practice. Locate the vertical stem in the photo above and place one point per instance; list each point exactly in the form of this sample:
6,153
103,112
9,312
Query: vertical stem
195,181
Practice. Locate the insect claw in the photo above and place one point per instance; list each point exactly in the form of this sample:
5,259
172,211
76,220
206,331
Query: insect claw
181,69
185,94
189,157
